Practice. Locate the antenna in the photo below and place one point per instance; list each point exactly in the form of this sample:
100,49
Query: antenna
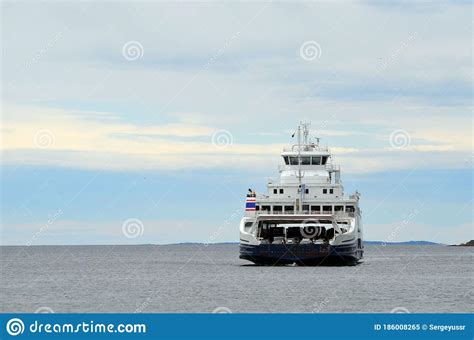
305,132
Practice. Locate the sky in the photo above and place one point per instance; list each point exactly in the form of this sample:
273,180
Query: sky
146,122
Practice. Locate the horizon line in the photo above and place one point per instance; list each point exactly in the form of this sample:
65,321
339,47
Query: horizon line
217,243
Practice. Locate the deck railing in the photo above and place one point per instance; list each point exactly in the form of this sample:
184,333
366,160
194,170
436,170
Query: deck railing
307,212
328,167
308,147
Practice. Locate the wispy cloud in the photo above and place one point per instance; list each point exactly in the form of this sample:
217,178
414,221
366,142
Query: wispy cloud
58,137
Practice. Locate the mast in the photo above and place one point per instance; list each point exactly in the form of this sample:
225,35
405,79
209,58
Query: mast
300,185
302,128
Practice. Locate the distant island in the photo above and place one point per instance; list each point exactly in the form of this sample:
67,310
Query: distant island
406,243
467,244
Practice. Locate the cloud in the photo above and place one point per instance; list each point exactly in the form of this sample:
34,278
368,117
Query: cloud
57,137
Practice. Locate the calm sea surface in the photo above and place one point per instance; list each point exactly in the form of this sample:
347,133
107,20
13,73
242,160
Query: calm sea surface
198,278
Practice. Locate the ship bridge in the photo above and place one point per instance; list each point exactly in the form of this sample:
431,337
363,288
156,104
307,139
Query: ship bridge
307,162
309,167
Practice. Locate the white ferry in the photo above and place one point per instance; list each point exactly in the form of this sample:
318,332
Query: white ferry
303,217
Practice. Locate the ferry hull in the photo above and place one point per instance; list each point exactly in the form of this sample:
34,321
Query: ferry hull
303,254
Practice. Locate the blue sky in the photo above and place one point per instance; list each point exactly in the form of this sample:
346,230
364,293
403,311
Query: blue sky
112,112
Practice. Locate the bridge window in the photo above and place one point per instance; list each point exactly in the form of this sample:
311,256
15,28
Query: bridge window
327,209
275,191
293,160
350,208
281,191
316,208
265,208
289,208
338,208
286,160
325,191
305,207
277,208
331,191
316,160
324,160
305,160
